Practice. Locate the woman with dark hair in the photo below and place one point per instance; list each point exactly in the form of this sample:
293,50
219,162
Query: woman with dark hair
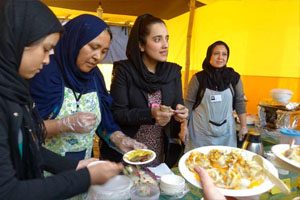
147,89
28,31
70,92
212,96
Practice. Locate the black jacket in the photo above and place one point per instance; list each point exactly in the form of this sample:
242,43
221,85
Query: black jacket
68,183
130,105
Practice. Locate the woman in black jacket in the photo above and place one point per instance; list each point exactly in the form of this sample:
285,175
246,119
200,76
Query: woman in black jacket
147,90
28,31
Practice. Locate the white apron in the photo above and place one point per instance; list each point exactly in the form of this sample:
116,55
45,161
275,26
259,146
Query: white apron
212,122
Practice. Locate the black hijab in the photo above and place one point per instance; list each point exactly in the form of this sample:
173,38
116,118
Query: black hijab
218,78
146,80
23,22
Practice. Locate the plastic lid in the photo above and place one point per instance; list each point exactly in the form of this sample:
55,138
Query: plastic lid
290,132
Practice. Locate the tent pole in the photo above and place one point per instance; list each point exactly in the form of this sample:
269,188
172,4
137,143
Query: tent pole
192,6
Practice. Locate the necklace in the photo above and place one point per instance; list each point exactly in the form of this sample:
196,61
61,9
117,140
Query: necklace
77,99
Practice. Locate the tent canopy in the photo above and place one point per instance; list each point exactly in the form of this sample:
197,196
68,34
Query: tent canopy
165,9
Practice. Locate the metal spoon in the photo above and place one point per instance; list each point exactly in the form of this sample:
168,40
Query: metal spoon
279,183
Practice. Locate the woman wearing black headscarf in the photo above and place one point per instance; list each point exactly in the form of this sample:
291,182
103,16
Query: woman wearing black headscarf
28,31
212,95
145,82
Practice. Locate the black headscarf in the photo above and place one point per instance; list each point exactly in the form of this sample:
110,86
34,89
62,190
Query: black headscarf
218,78
146,80
23,22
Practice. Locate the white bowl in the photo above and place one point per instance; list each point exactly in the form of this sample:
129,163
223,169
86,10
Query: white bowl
171,184
281,95
116,188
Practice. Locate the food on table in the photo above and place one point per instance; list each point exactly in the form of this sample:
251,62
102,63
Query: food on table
228,169
139,155
293,154
138,175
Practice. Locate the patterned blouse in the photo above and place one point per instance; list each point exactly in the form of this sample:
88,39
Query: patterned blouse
151,135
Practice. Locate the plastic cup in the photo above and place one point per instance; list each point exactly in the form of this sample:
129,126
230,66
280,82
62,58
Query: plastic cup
287,135
145,191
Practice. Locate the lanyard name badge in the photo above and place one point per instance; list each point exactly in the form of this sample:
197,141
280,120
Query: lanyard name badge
215,98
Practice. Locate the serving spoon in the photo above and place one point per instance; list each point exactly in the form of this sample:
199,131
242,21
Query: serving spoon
277,182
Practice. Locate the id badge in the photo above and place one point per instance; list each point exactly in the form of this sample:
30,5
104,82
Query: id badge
216,98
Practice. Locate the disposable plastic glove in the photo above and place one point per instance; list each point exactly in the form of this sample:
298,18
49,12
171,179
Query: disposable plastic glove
80,122
125,143
243,131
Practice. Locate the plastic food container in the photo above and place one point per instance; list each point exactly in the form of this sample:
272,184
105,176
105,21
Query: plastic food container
172,184
116,188
287,135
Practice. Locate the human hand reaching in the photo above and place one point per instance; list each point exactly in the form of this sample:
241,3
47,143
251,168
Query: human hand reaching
242,132
80,122
211,192
125,143
84,163
101,172
181,113
162,114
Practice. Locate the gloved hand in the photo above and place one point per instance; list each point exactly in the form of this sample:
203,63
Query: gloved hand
125,143
243,131
80,122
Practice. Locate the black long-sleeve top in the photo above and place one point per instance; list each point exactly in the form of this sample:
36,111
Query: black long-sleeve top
66,183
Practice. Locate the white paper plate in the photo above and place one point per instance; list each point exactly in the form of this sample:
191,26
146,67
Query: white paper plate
278,151
125,157
190,177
